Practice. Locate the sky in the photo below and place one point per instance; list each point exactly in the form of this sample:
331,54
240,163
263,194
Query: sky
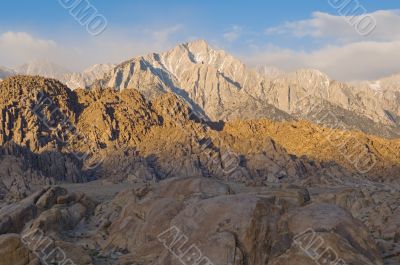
328,35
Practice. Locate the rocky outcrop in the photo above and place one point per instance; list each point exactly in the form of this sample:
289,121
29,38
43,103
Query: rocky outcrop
220,87
190,219
30,230
376,207
326,234
12,251
366,156
200,219
37,115
75,136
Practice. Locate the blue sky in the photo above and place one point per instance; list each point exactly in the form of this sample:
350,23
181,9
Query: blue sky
286,34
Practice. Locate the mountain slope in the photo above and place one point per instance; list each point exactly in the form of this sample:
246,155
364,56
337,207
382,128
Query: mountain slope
5,72
276,179
43,68
87,77
367,155
45,121
73,80
220,87
209,80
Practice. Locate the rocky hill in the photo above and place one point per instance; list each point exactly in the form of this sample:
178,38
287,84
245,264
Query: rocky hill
43,117
220,87
369,156
246,188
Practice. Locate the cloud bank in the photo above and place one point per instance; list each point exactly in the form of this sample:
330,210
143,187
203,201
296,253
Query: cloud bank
17,48
339,28
345,54
340,52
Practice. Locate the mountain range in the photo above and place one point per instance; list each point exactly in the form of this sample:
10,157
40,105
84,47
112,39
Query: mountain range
48,69
258,179
218,86
105,164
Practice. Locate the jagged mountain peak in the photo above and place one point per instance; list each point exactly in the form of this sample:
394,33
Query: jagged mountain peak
199,53
270,72
199,44
199,47
49,69
43,67
96,68
221,87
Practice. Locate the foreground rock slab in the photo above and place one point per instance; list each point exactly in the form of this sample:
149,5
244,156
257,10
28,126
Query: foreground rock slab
184,221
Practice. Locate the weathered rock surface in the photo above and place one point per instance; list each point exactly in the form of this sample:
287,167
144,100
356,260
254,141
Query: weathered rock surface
233,188
64,135
189,220
327,234
12,251
38,222
220,87
200,219
377,207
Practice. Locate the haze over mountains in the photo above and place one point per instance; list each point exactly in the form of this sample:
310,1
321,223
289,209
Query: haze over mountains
5,72
218,86
240,160
48,69
227,133
168,165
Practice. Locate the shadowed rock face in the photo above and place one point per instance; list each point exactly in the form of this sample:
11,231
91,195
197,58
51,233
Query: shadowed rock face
60,134
184,220
243,192
218,86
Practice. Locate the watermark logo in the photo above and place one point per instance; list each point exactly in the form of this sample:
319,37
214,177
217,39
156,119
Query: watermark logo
356,15
317,249
86,15
176,242
44,249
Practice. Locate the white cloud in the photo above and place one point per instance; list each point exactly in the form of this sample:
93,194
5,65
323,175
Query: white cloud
233,34
22,38
355,61
352,58
343,28
346,54
19,47
78,52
